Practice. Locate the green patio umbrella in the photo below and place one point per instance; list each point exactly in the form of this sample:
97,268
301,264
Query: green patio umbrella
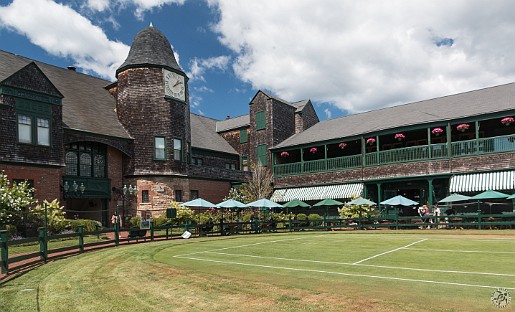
511,196
490,194
295,203
264,203
361,201
328,202
454,198
399,200
231,203
199,203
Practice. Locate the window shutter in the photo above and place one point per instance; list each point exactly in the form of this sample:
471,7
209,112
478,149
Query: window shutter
244,136
261,154
260,121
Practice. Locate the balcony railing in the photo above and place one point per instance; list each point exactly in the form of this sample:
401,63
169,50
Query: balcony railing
409,154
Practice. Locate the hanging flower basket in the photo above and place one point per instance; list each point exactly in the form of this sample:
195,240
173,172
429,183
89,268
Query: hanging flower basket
313,150
342,145
285,154
371,141
507,121
437,131
462,127
399,137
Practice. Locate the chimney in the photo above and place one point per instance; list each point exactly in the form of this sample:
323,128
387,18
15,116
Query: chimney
72,68
228,117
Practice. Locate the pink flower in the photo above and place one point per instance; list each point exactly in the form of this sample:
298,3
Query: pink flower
371,141
462,127
507,121
285,154
342,145
313,150
437,130
399,136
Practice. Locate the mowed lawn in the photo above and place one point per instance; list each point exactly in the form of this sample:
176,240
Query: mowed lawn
312,271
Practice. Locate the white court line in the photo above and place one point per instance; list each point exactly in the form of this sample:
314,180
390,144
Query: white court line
345,274
365,265
390,251
466,251
241,246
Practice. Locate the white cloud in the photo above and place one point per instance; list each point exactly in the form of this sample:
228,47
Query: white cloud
362,55
199,66
98,5
147,5
328,113
72,36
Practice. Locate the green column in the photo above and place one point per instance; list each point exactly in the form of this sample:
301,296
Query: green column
449,138
116,233
5,254
431,190
363,152
379,200
325,157
151,230
477,137
80,228
43,246
429,154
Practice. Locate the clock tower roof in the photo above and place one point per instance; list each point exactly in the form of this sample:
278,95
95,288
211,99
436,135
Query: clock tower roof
150,48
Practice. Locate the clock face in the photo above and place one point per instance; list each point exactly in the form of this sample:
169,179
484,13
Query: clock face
174,85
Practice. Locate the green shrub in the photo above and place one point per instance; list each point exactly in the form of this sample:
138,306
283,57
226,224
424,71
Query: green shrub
135,222
89,225
159,220
315,219
57,222
302,216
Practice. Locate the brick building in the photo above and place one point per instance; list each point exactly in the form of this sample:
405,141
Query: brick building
82,139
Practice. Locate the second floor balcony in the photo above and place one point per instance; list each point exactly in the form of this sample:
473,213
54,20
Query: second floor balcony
377,155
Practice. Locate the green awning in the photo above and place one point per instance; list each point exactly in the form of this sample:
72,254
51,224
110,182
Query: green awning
336,191
477,182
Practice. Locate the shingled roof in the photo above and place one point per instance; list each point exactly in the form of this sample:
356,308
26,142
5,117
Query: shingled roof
203,135
233,123
150,48
462,105
87,106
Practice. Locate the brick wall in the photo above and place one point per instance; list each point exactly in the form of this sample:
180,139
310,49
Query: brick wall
309,116
213,191
233,138
282,121
259,104
46,179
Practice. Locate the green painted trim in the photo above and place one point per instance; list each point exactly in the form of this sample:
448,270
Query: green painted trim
181,150
244,136
30,95
260,120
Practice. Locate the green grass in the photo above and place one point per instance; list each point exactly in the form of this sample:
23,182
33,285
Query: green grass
315,271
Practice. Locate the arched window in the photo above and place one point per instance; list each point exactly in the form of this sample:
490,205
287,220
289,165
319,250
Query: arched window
99,167
85,165
71,163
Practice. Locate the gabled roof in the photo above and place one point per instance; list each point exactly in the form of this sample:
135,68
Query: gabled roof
204,136
468,104
233,123
150,48
87,106
300,105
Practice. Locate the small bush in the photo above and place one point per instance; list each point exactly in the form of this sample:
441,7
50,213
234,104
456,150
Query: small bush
159,220
89,225
135,222
302,216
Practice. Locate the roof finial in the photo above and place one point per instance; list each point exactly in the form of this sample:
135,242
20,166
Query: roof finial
151,24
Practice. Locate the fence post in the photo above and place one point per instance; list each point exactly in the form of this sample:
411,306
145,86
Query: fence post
151,230
360,226
80,228
116,233
397,220
5,255
479,219
289,223
437,220
325,222
43,243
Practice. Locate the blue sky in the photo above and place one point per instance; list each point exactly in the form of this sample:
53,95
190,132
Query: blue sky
346,56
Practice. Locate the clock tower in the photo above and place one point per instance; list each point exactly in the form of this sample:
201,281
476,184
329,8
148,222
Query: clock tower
153,106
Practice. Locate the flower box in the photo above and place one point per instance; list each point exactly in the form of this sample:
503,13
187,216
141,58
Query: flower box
399,137
507,121
342,145
437,131
285,154
462,127
313,150
371,141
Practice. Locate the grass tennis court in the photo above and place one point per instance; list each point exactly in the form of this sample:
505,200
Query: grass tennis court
330,271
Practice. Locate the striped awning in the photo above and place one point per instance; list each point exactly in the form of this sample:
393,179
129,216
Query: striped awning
337,191
501,180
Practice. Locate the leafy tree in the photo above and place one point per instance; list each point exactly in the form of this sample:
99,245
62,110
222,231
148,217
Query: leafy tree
13,200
